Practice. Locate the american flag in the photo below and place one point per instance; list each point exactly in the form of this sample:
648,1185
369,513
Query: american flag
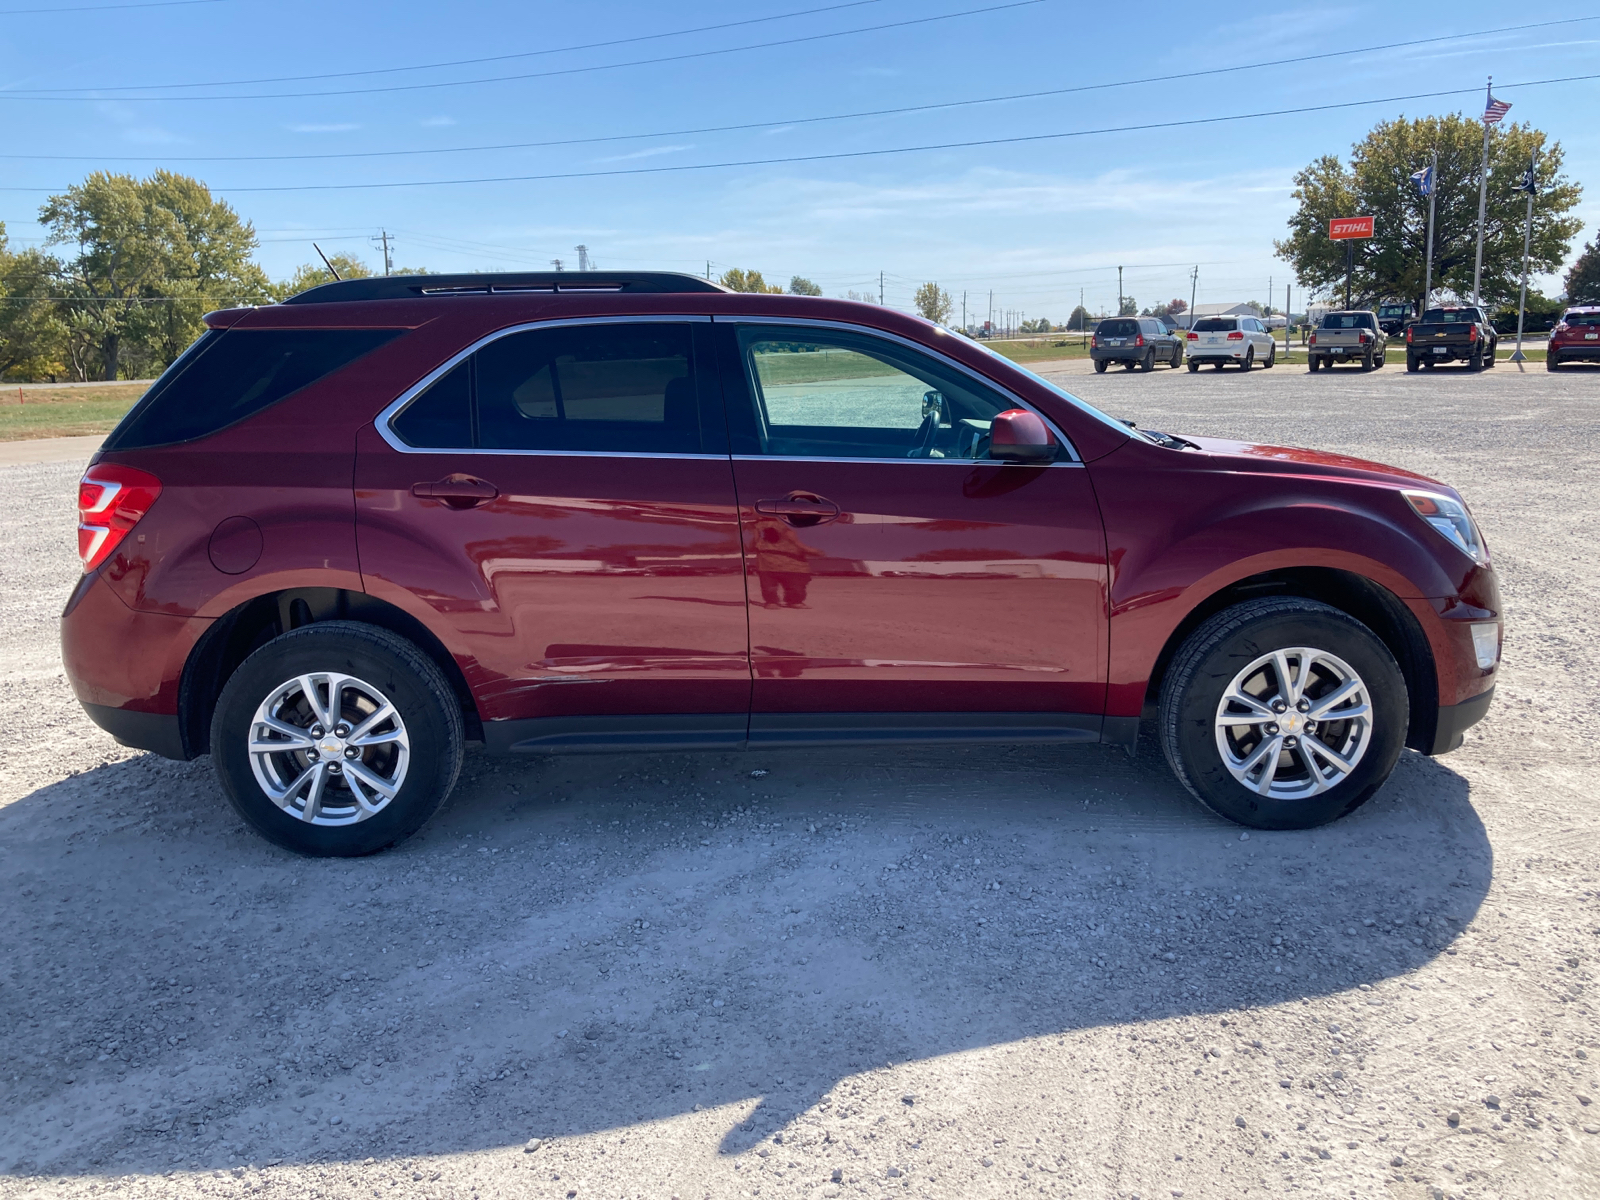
1495,110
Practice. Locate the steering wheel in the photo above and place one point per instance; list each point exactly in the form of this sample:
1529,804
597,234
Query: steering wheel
934,410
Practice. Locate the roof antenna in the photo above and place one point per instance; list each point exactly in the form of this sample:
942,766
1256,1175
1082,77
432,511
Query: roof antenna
331,270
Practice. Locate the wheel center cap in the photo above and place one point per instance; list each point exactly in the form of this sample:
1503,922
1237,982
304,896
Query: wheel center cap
331,747
1291,722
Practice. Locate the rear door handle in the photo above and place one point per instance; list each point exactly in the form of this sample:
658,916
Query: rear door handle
800,508
457,491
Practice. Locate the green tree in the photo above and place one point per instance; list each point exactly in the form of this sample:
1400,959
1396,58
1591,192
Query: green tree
799,285
310,275
1378,184
1130,307
32,335
1583,281
1078,319
739,280
934,303
152,256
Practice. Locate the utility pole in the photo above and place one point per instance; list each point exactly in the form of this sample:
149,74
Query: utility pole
1427,272
1194,291
1530,184
989,320
1119,291
1286,322
388,263
708,268
963,312
880,287
1083,318
583,257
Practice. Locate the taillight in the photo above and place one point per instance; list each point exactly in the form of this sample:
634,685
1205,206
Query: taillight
111,500
1138,341
1194,337
1236,336
1472,333
1313,339
1094,341
1408,335
1365,338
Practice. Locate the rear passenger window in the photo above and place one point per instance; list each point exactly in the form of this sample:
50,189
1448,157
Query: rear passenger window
623,388
229,375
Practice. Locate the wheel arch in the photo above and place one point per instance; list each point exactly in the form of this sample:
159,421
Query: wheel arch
242,630
1374,605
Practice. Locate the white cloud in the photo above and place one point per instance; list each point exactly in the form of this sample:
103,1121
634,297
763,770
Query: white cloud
339,128
652,152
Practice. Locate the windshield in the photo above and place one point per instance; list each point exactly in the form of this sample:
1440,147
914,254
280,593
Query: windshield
1216,325
1347,320
1082,406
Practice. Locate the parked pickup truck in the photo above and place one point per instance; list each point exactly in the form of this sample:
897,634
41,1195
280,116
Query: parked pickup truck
1347,337
1461,334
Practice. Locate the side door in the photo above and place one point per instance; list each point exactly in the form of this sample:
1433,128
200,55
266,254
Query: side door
557,503
903,585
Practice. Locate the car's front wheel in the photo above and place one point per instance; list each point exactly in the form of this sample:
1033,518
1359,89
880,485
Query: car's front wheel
1283,713
337,739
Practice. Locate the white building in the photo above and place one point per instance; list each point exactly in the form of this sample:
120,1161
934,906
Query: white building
1201,311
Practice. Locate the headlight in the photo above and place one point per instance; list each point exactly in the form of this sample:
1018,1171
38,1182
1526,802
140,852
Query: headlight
1450,518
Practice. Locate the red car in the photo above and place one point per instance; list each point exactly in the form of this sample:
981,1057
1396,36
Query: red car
344,535
1576,338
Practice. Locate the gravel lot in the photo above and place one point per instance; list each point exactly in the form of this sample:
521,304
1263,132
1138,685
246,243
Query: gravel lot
950,973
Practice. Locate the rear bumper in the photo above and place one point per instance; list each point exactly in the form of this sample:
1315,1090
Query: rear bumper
1456,719
1120,353
1582,352
158,733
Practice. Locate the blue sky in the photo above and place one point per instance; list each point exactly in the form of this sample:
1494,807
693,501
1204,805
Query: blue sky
1033,221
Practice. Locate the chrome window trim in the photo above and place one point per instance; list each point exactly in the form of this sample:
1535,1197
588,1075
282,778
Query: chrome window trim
383,422
937,462
908,343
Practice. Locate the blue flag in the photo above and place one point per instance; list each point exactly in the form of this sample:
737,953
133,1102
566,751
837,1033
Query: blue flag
1424,180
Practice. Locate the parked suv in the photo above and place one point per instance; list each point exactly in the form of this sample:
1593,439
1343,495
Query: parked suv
1241,340
1134,342
345,535
1576,338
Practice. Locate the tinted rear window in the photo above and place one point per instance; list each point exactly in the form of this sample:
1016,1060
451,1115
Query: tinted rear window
1447,316
1116,328
232,374
1587,319
1347,321
1216,325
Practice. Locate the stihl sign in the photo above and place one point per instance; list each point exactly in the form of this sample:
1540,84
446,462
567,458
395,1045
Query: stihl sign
1341,228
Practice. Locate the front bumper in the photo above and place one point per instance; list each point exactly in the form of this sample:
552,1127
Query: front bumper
1456,719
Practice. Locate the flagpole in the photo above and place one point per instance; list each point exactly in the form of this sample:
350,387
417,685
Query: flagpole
1483,198
1433,191
1527,238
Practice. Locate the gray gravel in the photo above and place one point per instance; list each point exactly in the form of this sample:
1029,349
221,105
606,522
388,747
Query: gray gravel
942,973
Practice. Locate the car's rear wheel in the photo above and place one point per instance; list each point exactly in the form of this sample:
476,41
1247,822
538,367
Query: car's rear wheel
1249,359
1194,367
1099,366
1148,362
1313,364
1475,361
1552,362
1411,363
1283,713
337,739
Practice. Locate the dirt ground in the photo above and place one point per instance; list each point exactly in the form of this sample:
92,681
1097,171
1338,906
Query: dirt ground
932,973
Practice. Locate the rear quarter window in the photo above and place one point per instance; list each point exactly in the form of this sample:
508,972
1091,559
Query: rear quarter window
228,375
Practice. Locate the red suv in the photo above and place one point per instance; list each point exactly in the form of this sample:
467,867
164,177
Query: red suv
1576,338
344,535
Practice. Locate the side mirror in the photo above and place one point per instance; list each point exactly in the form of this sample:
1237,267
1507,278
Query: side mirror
1018,435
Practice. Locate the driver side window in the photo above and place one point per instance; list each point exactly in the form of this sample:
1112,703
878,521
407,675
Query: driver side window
825,394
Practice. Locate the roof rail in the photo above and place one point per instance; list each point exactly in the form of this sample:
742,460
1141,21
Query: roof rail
407,287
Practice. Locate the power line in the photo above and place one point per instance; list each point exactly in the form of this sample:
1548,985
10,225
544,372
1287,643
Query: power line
1019,139
100,93
903,110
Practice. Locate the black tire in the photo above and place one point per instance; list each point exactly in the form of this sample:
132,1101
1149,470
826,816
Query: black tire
425,702
1552,362
1494,355
1227,644
1177,358
1148,362
1099,366
1272,358
1194,367
1367,361
1383,357
1313,364
1475,361
1411,363
1249,359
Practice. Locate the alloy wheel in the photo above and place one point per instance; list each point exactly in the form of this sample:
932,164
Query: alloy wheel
328,748
1294,723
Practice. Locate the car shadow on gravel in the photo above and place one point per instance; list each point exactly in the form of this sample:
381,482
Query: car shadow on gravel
584,944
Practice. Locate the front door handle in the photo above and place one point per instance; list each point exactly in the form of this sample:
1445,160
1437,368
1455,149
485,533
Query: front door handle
457,491
800,508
